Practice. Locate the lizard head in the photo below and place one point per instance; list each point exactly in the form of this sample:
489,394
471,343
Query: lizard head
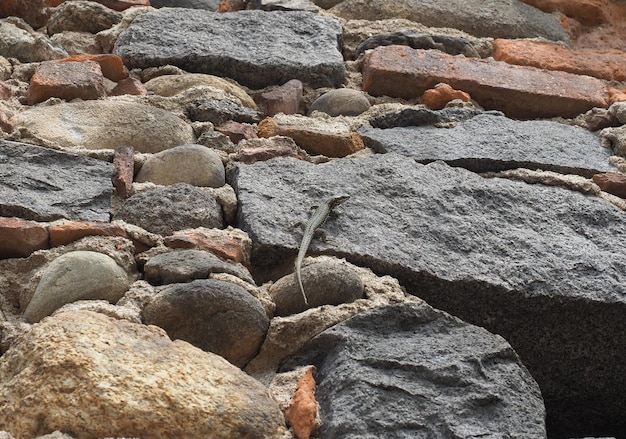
337,200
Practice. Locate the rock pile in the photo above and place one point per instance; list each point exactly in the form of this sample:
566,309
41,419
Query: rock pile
157,156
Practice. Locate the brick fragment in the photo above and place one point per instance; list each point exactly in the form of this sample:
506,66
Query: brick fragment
124,171
437,98
111,65
232,5
129,86
230,244
302,410
604,64
19,237
237,131
612,182
34,12
67,232
67,81
285,99
518,91
616,95
588,12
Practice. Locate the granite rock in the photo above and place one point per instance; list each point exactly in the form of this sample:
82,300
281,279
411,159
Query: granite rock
255,48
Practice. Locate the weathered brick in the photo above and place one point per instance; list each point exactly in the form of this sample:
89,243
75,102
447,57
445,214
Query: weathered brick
129,86
19,237
64,233
437,98
612,182
230,244
111,65
237,131
604,64
285,99
67,81
124,172
518,91
588,12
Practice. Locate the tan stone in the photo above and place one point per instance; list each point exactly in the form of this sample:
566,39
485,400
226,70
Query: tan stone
331,138
518,91
603,64
437,98
70,80
230,243
100,377
19,238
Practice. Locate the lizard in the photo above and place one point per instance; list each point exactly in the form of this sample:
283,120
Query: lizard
318,218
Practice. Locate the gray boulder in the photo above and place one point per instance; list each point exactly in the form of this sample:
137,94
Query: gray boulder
215,316
481,18
45,185
410,371
255,48
490,142
170,208
542,266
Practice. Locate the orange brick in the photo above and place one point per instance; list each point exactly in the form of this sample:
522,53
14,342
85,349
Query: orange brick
19,237
588,12
67,81
437,98
64,233
612,182
518,91
112,66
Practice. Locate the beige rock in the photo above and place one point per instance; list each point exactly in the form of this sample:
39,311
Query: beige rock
193,164
103,124
332,138
100,377
77,42
78,275
5,68
170,85
19,40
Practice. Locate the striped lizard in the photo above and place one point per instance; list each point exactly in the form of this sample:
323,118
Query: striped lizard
315,222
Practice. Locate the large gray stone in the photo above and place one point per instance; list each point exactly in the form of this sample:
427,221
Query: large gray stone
255,48
542,266
19,40
44,185
481,18
410,371
210,5
489,142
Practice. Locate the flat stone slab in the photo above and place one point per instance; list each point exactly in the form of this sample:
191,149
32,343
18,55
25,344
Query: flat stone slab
542,266
418,372
45,185
489,142
518,91
255,48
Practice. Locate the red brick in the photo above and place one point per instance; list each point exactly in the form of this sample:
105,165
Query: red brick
612,182
302,409
34,12
603,64
129,86
588,12
112,66
437,98
518,91
237,131
67,81
65,233
19,237
219,242
124,170
285,99
232,5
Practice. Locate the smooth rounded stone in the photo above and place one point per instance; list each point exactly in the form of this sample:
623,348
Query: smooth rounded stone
193,164
325,283
170,85
341,102
410,371
171,208
216,316
82,16
19,40
96,377
105,124
78,275
187,265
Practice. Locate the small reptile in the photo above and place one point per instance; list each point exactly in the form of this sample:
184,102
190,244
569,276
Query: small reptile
316,221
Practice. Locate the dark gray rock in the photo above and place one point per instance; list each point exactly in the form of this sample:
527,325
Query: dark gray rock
187,265
45,185
324,283
542,266
284,5
209,5
255,48
409,371
481,18
220,111
488,142
215,316
419,116
418,40
170,208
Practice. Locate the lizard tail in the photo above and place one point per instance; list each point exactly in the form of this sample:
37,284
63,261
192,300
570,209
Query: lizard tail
301,286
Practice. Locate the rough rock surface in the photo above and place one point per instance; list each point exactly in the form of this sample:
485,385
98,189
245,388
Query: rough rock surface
490,142
78,275
105,124
418,372
215,316
541,266
170,208
255,48
134,369
41,184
